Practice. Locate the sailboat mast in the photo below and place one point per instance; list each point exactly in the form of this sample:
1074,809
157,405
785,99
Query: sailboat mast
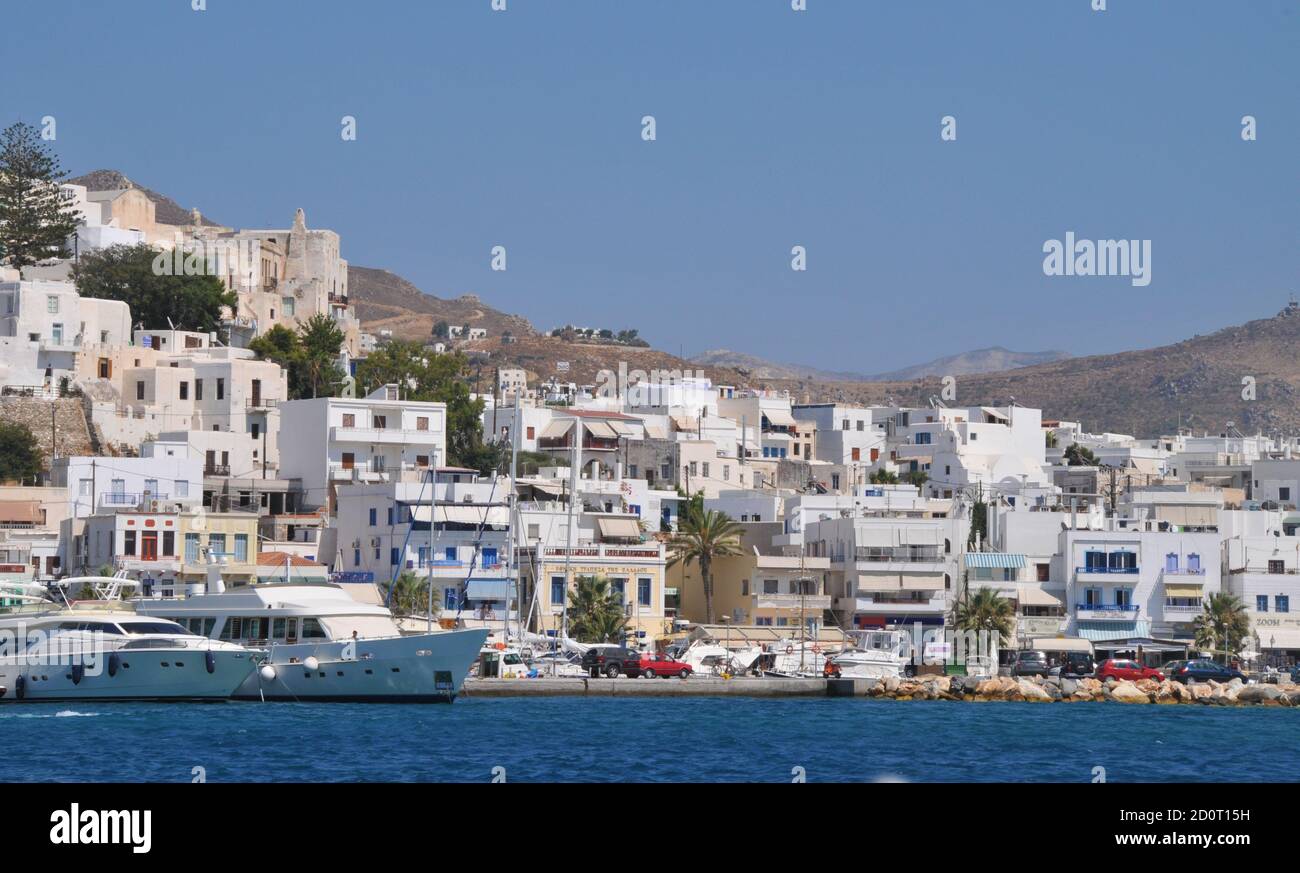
512,562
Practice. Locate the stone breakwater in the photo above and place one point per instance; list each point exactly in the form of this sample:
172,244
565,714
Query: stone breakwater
1055,690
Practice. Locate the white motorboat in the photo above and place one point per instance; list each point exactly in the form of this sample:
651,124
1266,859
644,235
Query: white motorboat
707,658
874,654
323,645
107,654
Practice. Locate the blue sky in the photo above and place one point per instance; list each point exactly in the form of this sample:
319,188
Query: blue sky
775,128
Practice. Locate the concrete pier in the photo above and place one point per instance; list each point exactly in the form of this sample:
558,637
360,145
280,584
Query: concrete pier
696,686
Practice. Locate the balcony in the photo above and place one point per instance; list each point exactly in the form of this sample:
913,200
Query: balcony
125,500
792,601
888,605
1180,612
1100,573
1039,626
1106,612
388,436
216,469
258,404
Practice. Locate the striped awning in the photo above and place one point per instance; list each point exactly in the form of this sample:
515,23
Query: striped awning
1101,631
1183,590
1001,560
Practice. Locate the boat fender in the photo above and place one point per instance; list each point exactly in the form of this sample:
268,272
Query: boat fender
267,672
114,662
789,650
210,661
310,662
20,687
78,672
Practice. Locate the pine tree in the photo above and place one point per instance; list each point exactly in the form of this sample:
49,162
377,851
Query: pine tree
35,216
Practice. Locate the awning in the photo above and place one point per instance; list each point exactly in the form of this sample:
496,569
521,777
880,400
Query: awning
1278,638
1104,631
779,417
1032,595
619,528
601,429
868,582
995,560
20,512
655,431
556,429
777,436
493,516
993,413
1183,590
1061,644
553,488
916,582
487,589
621,429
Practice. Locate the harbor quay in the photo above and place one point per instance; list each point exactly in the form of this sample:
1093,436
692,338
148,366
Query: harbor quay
950,688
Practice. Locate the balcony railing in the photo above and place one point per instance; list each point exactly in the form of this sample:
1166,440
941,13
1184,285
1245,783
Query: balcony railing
1106,611
897,554
1128,571
261,403
216,469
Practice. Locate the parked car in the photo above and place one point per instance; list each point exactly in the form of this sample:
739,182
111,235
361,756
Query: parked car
661,665
1030,663
1077,665
1119,668
1204,671
612,660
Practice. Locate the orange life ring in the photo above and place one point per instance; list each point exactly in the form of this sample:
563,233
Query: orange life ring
789,650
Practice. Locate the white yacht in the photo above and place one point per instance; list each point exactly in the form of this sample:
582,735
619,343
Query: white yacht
322,645
108,654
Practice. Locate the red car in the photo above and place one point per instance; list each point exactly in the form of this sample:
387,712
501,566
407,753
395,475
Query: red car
662,665
1119,668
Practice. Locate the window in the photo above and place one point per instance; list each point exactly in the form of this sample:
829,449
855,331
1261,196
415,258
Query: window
191,548
422,422
1282,603
1284,494
1276,567
51,304
726,473
349,419
835,481
771,586
356,557
241,547
705,469
128,543
532,432
923,438
349,460
84,487
311,629
139,390
198,389
694,468
221,388
390,516
394,556
1261,603
374,516
217,544
185,391
856,454
557,590
380,422
643,591
618,587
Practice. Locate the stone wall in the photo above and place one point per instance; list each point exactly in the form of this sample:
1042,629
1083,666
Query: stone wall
68,425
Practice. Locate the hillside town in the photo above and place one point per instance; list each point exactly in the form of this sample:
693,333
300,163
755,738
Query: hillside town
271,437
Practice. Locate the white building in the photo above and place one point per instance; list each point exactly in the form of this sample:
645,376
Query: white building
46,326
372,439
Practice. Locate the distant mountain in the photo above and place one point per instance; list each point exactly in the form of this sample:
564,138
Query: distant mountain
760,368
166,210
386,301
990,360
979,361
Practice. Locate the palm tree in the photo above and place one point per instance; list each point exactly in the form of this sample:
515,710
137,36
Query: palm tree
702,537
985,610
409,595
595,613
1223,625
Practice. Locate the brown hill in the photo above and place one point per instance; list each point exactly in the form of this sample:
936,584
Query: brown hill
1145,393
386,301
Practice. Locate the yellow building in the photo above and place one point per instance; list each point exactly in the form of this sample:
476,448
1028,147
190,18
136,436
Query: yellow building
167,549
755,589
635,572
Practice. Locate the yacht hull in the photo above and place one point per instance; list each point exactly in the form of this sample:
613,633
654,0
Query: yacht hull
146,674
421,668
